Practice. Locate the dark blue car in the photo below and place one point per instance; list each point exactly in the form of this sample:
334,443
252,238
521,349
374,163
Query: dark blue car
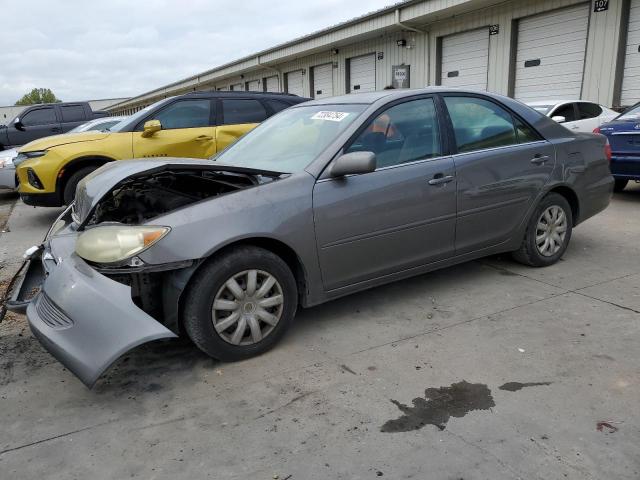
623,133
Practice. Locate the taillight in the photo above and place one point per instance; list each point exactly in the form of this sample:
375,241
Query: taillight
607,151
596,130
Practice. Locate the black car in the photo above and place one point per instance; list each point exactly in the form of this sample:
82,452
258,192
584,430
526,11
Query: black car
46,119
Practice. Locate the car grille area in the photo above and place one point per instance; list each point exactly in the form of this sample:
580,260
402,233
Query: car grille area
51,314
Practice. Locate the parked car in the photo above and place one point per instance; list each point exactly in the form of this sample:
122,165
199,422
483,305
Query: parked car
324,199
7,169
195,125
98,125
577,115
43,120
8,177
623,134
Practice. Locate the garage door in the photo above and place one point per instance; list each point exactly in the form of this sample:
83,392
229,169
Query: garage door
465,60
550,54
237,87
631,76
272,84
253,86
294,83
362,73
322,81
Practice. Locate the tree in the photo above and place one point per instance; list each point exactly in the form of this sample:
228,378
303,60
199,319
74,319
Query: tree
38,95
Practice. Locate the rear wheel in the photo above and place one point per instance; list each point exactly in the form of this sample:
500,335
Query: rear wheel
69,192
548,233
240,304
620,185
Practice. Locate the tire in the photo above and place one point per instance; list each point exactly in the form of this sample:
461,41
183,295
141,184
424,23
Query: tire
211,283
529,252
69,192
620,185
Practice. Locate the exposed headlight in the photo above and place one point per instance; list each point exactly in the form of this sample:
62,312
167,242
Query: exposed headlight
114,243
22,156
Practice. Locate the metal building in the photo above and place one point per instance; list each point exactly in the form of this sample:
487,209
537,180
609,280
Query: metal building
528,49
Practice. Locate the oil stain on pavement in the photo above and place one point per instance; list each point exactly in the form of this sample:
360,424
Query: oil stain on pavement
515,386
440,404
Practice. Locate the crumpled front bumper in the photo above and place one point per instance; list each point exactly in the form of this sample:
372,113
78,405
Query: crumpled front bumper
83,318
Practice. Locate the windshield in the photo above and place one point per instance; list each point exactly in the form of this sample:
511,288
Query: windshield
139,115
632,114
292,139
543,109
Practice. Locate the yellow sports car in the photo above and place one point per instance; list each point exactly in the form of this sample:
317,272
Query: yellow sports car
195,125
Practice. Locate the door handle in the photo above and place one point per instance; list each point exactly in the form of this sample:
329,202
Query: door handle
540,159
202,138
440,179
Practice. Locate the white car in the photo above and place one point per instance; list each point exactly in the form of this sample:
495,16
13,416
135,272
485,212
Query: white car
576,115
7,169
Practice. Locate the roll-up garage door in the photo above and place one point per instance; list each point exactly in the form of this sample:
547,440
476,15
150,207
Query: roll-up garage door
362,73
237,87
550,54
322,81
631,77
294,83
272,84
465,60
253,86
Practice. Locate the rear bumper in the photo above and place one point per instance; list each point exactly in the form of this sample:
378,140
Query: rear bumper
625,167
84,319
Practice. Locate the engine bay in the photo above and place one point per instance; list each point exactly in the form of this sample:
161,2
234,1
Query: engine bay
141,198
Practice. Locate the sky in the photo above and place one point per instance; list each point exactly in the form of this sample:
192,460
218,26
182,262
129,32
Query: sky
86,50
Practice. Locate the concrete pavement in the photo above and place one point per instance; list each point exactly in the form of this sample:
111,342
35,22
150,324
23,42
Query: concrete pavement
315,406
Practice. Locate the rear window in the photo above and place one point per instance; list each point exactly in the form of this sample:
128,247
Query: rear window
277,105
632,114
238,110
72,113
588,110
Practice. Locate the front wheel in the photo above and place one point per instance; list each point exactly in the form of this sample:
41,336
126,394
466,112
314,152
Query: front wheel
548,233
240,304
69,192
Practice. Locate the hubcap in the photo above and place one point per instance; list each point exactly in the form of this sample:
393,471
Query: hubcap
247,307
551,231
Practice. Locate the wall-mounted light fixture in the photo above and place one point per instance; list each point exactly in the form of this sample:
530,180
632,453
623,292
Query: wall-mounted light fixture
335,51
401,42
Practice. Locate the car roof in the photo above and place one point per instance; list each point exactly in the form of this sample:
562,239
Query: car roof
370,98
556,102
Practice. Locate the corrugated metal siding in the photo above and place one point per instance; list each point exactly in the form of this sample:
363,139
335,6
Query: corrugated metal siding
550,54
465,59
631,75
439,18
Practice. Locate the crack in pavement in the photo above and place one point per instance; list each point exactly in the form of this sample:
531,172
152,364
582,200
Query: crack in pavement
577,291
55,437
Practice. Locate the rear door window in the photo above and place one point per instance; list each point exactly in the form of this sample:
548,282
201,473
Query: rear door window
479,124
40,116
588,110
277,105
240,110
72,113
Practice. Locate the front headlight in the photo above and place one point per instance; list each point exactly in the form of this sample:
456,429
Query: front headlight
114,243
22,156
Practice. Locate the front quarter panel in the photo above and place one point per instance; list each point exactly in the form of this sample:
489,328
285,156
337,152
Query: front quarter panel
280,210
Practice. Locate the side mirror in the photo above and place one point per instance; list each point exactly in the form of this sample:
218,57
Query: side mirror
151,127
559,118
18,124
353,163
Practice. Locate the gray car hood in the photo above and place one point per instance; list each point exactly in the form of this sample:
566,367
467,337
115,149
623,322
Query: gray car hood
99,183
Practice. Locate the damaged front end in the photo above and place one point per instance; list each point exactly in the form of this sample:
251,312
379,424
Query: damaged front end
88,297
